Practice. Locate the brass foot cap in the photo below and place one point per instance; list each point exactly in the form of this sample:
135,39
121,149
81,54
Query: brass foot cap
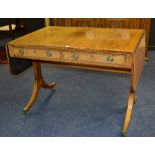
25,110
54,84
146,58
124,132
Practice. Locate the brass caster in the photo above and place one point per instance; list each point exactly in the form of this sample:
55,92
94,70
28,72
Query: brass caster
54,84
124,132
25,110
146,59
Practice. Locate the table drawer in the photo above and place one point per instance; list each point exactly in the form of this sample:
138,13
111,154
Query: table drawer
100,58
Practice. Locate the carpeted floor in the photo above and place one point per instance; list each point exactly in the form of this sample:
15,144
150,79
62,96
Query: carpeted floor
84,103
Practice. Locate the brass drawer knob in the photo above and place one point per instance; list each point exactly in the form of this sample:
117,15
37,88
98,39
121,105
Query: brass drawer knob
75,56
49,54
109,59
21,51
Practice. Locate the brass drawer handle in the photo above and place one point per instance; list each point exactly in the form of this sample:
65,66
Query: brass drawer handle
75,57
21,51
49,54
110,59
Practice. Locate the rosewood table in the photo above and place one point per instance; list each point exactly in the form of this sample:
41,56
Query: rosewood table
103,49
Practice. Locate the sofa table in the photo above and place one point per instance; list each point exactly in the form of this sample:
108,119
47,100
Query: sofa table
103,49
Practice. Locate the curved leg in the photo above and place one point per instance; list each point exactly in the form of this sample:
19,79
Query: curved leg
34,96
38,83
47,86
131,101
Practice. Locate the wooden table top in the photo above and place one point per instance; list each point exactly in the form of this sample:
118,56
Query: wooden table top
112,39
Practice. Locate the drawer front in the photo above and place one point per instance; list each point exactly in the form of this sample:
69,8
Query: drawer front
93,58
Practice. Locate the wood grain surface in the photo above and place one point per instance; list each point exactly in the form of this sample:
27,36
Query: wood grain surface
111,39
130,23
